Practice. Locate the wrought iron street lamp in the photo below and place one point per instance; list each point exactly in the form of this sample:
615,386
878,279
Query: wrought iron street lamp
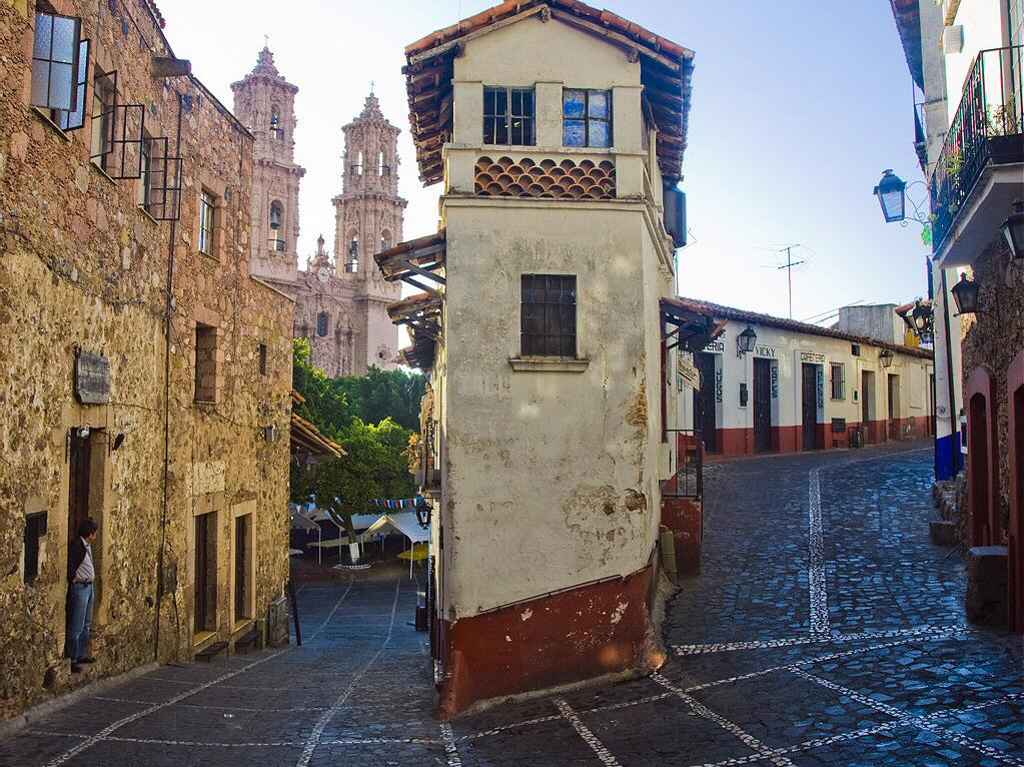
965,295
1013,230
923,319
745,341
891,194
885,358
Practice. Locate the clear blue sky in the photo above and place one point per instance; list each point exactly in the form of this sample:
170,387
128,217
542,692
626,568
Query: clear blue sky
797,108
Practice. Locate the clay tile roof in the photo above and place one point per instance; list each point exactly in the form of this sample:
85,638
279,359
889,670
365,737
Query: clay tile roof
666,70
766,320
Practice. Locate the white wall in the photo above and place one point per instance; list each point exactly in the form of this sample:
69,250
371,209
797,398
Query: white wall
985,25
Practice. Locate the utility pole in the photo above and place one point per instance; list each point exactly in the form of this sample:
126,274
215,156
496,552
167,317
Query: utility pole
788,266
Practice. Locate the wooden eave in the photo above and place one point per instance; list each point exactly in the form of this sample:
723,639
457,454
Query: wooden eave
416,262
693,328
305,435
666,70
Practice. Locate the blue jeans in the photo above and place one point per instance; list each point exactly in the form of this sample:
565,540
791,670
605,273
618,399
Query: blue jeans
81,620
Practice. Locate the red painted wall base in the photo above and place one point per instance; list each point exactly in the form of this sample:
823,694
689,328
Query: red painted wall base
684,517
579,634
789,439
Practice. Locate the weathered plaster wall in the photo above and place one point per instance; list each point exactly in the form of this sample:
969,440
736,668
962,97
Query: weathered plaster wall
83,267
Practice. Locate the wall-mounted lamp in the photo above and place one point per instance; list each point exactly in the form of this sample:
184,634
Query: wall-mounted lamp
885,358
965,295
746,340
1013,230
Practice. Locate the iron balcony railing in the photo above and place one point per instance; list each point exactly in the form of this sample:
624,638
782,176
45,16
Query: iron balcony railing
987,128
688,479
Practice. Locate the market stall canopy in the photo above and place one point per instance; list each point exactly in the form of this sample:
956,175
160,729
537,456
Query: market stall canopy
403,522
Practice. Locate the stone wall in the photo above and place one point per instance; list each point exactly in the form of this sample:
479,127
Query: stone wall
993,338
83,268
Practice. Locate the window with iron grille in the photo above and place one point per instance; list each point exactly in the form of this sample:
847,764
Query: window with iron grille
322,324
838,380
55,62
586,118
263,359
509,116
207,221
548,315
206,363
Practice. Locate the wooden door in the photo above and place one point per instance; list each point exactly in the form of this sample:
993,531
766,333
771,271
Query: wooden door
79,459
205,587
242,567
762,405
894,406
704,417
809,406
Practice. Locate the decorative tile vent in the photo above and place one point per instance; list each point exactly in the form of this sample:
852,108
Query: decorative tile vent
564,180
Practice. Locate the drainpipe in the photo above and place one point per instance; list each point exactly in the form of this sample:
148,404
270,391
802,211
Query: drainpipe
168,313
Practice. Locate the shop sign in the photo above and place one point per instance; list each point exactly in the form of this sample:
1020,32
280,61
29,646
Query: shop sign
718,386
821,388
92,378
775,381
715,346
766,351
688,373
812,358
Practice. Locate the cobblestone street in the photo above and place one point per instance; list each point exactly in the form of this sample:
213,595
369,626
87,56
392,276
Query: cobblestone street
825,629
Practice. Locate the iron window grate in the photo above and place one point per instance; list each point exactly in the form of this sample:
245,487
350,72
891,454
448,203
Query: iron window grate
548,317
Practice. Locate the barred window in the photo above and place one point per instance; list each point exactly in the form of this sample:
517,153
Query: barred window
548,315
322,321
207,212
586,118
509,116
838,380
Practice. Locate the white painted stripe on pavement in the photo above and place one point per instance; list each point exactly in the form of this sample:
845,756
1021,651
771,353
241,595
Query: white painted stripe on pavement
606,756
450,749
816,559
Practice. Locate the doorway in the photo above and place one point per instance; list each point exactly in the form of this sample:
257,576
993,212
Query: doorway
79,476
205,593
978,472
809,406
867,405
704,400
242,557
894,406
762,405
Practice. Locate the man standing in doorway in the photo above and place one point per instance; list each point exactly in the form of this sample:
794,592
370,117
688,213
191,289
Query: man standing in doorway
83,573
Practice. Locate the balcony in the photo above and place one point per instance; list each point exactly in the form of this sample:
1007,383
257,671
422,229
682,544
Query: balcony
979,171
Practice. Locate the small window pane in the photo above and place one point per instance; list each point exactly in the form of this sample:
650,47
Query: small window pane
518,133
61,85
501,102
575,133
599,134
65,39
40,83
599,104
574,103
43,36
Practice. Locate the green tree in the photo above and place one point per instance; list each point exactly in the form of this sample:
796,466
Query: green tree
381,394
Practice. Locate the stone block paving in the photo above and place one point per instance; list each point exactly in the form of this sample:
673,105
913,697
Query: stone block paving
825,629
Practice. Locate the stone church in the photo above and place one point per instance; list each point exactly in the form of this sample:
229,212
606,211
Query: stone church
341,301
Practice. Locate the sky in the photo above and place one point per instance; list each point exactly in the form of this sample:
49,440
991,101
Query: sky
798,106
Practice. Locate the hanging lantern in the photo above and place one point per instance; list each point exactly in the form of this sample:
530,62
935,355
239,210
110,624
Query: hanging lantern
965,295
891,194
745,341
885,358
1013,230
923,318
423,511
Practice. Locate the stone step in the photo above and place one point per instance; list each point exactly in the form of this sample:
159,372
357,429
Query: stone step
247,643
207,654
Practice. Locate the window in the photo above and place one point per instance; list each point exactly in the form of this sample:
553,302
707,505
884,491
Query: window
104,104
206,363
35,528
75,119
207,219
548,315
276,225
385,240
838,380
55,62
263,359
352,264
509,116
855,350
322,324
242,564
146,164
587,118
276,131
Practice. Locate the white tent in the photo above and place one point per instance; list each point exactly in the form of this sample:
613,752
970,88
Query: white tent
404,522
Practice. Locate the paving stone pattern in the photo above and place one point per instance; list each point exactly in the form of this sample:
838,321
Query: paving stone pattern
825,629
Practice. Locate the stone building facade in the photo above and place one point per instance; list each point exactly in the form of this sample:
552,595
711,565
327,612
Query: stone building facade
146,375
341,304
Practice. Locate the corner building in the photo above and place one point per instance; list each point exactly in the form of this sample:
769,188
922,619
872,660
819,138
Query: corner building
557,131
146,375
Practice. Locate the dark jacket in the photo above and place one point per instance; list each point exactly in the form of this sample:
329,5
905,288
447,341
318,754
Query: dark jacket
77,555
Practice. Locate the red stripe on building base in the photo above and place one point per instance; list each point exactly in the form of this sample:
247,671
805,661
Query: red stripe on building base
789,439
584,633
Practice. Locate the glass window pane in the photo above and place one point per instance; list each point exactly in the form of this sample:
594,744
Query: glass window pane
43,36
528,103
65,39
575,133
40,83
574,103
501,102
61,86
568,346
489,101
599,104
517,102
600,135
517,131
529,137
500,130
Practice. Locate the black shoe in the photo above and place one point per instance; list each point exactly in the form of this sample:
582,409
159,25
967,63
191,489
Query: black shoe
76,669
86,659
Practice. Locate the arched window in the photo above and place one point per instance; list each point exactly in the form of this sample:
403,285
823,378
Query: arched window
276,131
322,324
352,262
277,226
385,240
381,166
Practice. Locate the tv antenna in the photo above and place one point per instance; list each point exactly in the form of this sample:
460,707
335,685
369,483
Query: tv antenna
788,266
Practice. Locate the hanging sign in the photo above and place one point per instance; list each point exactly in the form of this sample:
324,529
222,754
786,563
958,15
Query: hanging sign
688,373
92,378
